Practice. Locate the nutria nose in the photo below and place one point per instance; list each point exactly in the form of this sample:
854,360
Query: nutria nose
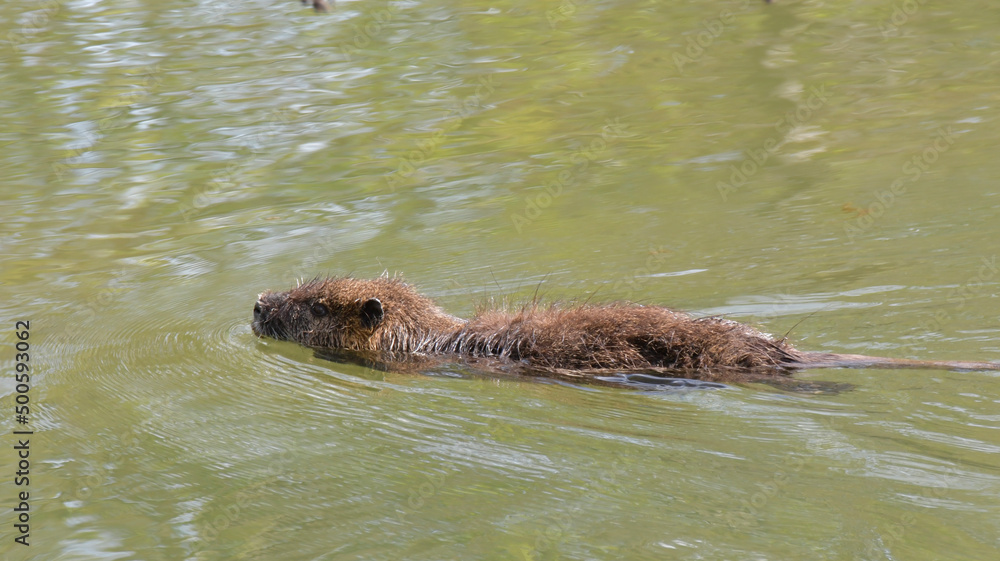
260,313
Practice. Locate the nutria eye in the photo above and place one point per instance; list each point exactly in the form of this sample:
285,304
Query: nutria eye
319,310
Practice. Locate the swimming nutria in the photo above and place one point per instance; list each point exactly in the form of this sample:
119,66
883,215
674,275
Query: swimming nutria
318,5
388,318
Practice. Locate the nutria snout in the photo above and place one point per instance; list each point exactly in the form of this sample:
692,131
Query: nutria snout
270,317
388,317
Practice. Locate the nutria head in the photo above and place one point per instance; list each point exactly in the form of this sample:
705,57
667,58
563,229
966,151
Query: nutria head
345,313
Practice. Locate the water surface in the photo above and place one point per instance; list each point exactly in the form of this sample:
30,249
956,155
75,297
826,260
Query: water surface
164,162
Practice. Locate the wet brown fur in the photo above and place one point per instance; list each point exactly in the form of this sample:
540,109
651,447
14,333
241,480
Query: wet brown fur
319,5
569,341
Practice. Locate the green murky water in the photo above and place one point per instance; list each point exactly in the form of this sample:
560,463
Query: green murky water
163,162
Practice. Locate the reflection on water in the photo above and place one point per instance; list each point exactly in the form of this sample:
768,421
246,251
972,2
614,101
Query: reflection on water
164,164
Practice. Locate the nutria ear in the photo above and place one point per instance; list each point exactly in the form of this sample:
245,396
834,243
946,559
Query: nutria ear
371,313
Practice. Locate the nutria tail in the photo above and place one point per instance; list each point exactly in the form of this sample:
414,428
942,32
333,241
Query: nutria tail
833,360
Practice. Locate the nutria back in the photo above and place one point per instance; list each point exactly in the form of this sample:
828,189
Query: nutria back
387,315
385,322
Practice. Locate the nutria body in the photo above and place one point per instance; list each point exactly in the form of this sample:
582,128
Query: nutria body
318,5
388,318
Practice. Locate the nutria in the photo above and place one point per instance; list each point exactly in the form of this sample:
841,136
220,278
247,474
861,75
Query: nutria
389,322
318,5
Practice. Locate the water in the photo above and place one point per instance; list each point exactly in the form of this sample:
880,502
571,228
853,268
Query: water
164,163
